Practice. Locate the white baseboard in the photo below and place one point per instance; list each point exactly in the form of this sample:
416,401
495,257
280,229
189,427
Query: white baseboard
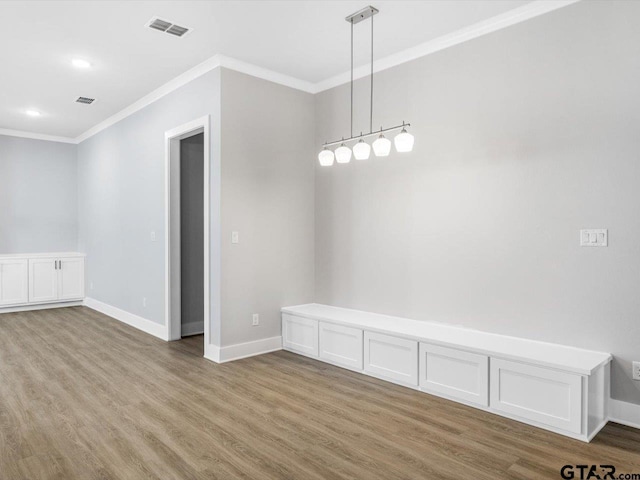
624,413
42,306
192,328
242,350
135,321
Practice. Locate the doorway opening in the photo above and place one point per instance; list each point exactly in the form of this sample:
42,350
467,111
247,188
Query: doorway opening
187,233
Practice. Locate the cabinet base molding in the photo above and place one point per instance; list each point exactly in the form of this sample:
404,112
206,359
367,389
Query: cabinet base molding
43,306
135,321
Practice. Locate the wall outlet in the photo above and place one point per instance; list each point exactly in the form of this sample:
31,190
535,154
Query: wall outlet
153,236
636,370
90,285
256,320
144,301
235,237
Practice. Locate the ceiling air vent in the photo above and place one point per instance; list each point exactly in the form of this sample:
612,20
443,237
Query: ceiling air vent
168,27
85,100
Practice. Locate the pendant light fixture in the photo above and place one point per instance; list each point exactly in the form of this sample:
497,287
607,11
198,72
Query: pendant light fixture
382,145
361,150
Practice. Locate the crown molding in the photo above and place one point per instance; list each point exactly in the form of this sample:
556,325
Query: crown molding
35,136
512,17
158,93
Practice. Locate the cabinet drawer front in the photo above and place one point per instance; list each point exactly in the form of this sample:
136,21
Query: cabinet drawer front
392,358
14,287
300,334
341,345
455,373
539,394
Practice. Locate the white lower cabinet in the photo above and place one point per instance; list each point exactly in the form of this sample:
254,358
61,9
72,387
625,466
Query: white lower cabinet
454,373
341,345
554,387
542,395
14,283
40,279
392,358
300,334
56,279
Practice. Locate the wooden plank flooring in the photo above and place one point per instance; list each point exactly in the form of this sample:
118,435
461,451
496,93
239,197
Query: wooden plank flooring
83,396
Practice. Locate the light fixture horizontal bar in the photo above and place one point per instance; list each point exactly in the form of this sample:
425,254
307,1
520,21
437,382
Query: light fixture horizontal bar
366,135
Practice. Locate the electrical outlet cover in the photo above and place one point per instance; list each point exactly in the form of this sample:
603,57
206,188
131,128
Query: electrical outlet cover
636,370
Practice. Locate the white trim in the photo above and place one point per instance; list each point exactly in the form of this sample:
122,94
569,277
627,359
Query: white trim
512,17
212,352
190,75
157,94
266,74
624,413
41,306
242,350
204,124
147,326
36,136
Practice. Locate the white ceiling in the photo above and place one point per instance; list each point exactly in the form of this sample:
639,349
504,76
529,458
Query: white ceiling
308,40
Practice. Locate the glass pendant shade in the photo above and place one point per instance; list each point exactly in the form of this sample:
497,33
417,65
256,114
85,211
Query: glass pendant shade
404,141
325,157
361,150
343,154
382,146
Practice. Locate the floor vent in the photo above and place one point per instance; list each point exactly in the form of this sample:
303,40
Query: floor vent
168,27
85,100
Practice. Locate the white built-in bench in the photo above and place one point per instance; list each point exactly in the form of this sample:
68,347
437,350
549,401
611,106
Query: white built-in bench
555,387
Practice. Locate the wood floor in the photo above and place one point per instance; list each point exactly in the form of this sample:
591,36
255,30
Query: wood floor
85,397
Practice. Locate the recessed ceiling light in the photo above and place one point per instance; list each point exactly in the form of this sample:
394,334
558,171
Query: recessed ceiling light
33,113
80,63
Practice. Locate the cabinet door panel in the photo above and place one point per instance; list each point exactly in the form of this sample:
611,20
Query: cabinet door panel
300,334
341,345
14,286
391,358
454,373
43,280
71,279
540,394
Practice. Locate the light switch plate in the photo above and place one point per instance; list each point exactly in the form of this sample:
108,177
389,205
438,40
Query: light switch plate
235,237
594,237
636,370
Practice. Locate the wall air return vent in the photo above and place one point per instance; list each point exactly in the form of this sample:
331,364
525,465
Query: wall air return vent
85,100
168,27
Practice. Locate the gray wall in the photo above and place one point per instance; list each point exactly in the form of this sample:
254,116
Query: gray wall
121,201
267,196
38,196
192,233
523,137
262,182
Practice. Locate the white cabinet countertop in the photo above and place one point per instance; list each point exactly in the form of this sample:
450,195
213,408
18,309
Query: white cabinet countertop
42,255
562,357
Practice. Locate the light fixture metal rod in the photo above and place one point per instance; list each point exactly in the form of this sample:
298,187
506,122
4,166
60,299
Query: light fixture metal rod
352,77
366,135
371,107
